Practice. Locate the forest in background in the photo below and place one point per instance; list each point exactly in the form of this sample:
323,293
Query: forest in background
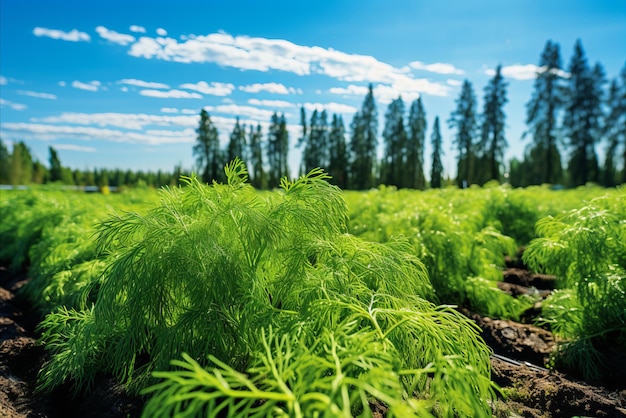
571,113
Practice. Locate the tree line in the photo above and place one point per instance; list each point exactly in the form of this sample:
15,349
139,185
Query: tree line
19,167
569,115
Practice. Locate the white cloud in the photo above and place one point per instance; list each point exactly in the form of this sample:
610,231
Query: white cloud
133,121
524,71
115,37
73,36
124,89
161,32
330,107
270,103
87,133
275,88
261,54
251,112
3,80
438,67
352,90
144,84
214,89
91,86
12,105
169,110
137,29
190,112
170,94
62,83
71,147
37,94
454,83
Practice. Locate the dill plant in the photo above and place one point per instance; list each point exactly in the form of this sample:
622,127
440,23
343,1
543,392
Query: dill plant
456,233
585,248
265,305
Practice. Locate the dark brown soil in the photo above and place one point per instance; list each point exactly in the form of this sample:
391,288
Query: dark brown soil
521,351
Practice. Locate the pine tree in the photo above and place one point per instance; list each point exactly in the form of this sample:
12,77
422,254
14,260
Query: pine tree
463,119
277,150
338,158
363,144
615,131
492,140
5,164
256,157
21,171
436,173
315,153
237,143
542,113
207,151
56,169
583,117
393,167
415,146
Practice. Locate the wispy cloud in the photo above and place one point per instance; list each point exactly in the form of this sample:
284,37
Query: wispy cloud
438,67
169,110
161,32
3,80
454,83
132,121
137,29
382,93
251,112
71,147
270,103
214,89
524,71
115,37
12,105
73,36
91,86
144,84
330,107
87,133
38,95
351,90
275,88
170,94
262,54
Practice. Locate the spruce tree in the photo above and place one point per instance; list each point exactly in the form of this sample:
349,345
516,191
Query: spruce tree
436,172
463,120
338,157
237,144
542,113
492,140
56,170
363,144
394,136
5,164
583,117
615,131
277,150
415,146
207,150
256,157
315,152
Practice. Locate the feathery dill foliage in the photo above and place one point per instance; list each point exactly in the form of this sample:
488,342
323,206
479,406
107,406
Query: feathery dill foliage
456,233
273,308
585,248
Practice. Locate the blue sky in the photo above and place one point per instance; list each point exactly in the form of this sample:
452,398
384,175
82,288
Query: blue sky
119,84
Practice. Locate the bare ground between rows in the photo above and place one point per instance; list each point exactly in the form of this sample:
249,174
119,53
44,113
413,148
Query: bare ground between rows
531,391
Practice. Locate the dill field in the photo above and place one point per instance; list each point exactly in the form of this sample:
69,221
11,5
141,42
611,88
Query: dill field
308,301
